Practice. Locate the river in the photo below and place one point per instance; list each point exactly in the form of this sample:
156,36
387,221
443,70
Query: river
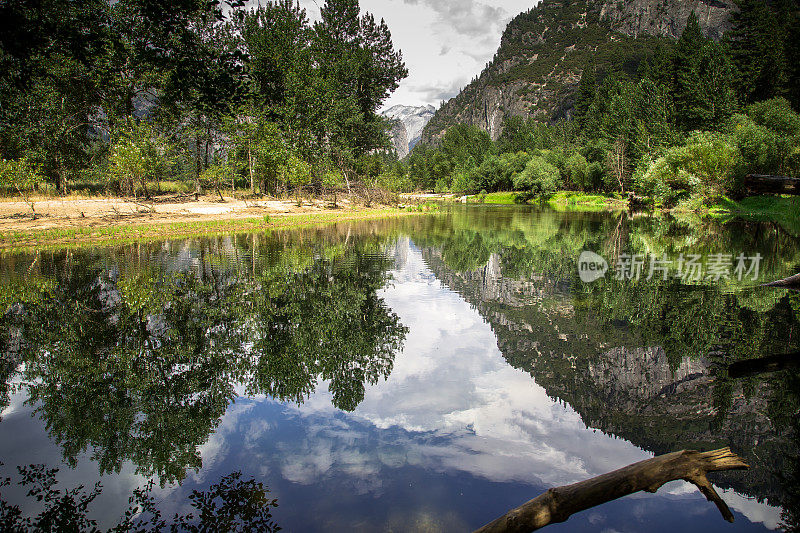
417,374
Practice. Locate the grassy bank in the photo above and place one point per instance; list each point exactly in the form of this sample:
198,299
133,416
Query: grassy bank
783,210
561,201
126,233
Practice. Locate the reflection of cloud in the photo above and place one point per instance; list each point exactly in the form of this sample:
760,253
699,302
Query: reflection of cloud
755,511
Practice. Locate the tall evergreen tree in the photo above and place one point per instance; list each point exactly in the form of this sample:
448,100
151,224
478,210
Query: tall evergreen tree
757,40
586,92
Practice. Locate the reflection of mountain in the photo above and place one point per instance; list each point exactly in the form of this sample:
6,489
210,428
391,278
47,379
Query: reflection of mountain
618,381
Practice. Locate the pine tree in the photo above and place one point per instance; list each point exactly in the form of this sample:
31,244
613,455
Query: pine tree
687,89
586,93
757,42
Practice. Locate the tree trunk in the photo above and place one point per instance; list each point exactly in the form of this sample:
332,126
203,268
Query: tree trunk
250,168
197,165
765,184
558,504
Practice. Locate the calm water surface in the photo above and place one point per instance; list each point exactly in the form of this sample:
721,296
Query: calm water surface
420,374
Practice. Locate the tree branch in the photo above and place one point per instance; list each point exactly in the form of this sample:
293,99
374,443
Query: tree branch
558,504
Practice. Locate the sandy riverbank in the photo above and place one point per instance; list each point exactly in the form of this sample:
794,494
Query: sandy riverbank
70,220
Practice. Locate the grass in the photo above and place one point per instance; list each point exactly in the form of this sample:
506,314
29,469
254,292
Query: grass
123,234
784,210
579,201
499,198
561,201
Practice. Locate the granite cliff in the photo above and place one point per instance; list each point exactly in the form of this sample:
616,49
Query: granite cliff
407,125
543,52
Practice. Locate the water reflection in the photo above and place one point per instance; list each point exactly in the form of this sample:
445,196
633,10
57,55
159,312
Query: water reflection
415,374
138,364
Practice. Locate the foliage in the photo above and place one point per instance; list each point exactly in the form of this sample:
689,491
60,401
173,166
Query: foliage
217,176
231,504
539,178
706,166
576,169
138,156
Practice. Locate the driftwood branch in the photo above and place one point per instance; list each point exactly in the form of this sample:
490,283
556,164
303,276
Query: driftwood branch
558,504
789,283
760,184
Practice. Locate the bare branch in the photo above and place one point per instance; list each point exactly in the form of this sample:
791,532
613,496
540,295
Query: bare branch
558,504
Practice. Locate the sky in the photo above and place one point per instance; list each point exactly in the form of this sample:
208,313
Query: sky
445,43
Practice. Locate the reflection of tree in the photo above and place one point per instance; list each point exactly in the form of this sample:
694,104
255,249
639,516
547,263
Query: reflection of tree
140,366
130,383
786,409
228,505
325,322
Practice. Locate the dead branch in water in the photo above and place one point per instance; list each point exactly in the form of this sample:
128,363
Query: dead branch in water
792,282
558,504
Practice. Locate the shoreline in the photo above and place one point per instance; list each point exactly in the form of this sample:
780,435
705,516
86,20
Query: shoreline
74,222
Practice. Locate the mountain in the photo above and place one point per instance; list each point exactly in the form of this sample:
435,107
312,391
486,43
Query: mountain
543,52
408,123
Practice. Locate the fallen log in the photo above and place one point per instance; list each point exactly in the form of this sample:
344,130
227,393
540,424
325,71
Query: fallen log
763,365
558,504
765,184
792,282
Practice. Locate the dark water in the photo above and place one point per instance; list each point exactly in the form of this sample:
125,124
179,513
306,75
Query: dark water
420,374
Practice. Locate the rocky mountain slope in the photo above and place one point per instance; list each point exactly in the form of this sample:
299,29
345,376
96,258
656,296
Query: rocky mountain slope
407,125
544,51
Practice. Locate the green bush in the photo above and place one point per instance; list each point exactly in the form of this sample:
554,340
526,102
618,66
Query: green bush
217,176
539,178
768,138
577,171
760,148
777,115
138,156
441,186
464,182
388,180
19,175
706,167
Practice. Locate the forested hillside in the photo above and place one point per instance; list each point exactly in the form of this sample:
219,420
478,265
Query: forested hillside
598,97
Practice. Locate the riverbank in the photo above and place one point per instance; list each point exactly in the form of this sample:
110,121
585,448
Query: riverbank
82,221
781,209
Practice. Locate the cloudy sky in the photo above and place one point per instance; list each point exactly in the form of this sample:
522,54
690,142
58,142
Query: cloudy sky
445,43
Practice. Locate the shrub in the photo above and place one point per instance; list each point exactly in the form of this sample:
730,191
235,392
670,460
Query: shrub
777,115
464,182
441,186
768,138
138,155
218,175
22,176
759,146
539,178
577,171
706,167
